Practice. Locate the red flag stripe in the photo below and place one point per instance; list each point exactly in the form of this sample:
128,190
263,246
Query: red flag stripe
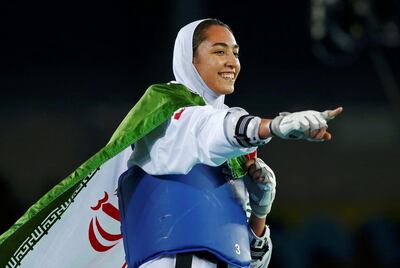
251,155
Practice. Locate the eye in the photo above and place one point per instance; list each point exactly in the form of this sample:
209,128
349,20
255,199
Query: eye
236,54
220,53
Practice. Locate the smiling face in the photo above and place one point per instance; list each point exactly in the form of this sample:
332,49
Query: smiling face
216,59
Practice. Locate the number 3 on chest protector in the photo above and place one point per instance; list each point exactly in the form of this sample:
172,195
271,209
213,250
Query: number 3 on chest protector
237,249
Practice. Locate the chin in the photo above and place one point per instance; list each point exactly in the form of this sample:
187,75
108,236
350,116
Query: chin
226,90
223,90
229,91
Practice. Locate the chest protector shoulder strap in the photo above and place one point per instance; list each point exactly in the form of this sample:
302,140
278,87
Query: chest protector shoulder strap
169,214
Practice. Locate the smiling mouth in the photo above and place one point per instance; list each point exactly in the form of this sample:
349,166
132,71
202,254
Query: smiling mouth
227,76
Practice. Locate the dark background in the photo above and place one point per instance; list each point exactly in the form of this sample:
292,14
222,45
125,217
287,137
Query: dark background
71,70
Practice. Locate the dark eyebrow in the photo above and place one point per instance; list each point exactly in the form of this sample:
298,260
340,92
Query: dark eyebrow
224,45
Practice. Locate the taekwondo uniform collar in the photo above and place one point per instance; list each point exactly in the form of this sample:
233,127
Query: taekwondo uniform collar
184,71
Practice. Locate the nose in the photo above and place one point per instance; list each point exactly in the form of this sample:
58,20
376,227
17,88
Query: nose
232,61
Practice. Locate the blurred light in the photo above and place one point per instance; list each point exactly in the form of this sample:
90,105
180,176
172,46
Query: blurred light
341,29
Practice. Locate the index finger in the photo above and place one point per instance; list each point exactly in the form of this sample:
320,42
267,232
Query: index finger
330,114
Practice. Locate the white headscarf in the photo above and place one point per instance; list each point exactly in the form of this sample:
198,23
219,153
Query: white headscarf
184,70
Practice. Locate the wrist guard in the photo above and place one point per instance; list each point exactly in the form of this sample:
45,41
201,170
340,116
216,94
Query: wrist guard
260,248
241,129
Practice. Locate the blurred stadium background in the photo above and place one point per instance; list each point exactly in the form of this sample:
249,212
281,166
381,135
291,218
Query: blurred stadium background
71,70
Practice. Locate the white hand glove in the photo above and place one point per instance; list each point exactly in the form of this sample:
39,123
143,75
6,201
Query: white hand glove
299,125
260,182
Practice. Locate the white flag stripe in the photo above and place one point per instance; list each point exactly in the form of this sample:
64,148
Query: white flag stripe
67,243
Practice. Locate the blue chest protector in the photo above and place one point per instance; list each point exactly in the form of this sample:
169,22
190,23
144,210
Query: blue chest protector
169,214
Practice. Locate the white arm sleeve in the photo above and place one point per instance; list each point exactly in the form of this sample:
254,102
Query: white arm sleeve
191,136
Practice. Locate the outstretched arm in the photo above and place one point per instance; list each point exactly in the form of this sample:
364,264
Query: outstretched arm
246,130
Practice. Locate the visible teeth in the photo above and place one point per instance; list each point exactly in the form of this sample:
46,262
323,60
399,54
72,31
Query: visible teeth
227,75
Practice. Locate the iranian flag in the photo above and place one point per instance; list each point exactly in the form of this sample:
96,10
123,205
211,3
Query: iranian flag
73,225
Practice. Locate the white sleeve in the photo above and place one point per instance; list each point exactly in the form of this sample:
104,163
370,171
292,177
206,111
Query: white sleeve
191,136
